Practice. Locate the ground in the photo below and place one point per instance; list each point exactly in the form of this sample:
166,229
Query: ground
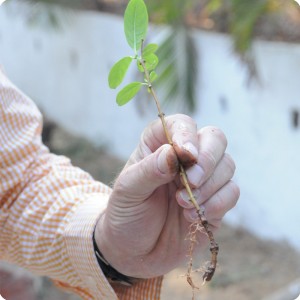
249,268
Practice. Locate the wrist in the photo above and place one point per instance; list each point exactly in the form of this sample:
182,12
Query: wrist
112,275
112,256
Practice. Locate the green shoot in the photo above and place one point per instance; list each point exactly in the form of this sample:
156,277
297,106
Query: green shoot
135,26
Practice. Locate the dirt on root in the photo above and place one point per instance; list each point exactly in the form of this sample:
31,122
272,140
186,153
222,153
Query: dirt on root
249,268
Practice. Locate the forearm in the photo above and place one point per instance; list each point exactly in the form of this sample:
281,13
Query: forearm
49,208
52,234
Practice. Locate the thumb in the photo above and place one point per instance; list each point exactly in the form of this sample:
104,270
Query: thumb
138,181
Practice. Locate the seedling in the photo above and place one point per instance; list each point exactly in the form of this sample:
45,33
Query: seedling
135,27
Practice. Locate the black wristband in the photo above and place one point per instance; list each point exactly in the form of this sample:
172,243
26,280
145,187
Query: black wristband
109,272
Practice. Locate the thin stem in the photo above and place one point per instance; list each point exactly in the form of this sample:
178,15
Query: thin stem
214,248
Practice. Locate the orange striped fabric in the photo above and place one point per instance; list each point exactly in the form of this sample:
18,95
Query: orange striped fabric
49,208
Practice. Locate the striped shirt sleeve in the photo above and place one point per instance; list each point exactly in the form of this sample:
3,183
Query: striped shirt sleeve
49,208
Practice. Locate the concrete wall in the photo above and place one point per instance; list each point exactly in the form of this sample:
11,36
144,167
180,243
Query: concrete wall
65,72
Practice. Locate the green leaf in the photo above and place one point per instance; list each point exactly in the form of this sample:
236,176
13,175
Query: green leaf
149,49
139,65
135,23
118,72
128,92
153,76
151,61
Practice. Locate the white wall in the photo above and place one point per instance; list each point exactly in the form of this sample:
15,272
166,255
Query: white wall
65,72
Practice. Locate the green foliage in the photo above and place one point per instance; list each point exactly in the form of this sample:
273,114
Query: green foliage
169,12
153,76
135,27
128,92
118,72
149,49
245,15
135,23
178,68
151,61
242,17
177,54
213,5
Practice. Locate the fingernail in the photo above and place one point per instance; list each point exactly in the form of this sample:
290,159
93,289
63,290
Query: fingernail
194,215
183,194
195,175
191,148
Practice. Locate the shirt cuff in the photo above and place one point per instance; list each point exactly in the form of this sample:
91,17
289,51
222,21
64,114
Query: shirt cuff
79,243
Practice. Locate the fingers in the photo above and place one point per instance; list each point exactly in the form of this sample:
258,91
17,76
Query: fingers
217,195
222,174
199,152
218,205
212,144
138,181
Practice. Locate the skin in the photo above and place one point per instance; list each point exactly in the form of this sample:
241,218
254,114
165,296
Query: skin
143,231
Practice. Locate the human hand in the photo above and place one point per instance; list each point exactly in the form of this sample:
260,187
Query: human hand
143,230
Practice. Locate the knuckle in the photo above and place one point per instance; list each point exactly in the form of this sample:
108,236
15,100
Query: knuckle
208,159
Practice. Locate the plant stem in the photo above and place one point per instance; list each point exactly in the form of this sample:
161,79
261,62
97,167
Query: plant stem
214,248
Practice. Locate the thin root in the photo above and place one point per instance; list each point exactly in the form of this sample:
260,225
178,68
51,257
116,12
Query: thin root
201,225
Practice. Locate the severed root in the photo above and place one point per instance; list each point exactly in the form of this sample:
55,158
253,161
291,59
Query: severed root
201,225
210,270
214,248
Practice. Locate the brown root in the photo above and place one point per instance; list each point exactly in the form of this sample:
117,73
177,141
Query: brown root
192,237
201,225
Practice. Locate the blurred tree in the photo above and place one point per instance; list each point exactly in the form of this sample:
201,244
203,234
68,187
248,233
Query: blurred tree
244,20
240,18
177,53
